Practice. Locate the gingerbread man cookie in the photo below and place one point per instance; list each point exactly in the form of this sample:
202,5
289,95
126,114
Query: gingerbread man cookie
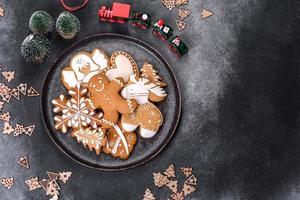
119,143
148,117
105,95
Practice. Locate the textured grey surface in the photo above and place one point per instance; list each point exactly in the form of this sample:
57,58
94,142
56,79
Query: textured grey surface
240,87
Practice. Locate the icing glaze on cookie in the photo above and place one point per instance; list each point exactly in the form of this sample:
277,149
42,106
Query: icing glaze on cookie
123,66
100,58
148,117
142,90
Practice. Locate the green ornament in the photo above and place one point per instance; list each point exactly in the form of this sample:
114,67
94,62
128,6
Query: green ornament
41,23
67,25
35,48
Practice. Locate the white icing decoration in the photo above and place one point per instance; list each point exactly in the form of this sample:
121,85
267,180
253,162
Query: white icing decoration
119,131
69,78
79,62
140,89
123,69
146,133
100,59
129,127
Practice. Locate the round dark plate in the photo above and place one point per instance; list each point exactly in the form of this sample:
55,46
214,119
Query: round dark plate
145,149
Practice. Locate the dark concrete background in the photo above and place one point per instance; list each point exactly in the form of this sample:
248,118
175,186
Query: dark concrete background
240,84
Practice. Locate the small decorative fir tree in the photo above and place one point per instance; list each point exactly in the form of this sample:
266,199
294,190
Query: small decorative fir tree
41,23
35,48
67,25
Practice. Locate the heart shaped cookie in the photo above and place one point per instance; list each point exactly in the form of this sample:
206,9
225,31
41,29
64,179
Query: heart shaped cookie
123,66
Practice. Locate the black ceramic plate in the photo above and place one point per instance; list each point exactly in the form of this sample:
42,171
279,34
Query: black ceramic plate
145,149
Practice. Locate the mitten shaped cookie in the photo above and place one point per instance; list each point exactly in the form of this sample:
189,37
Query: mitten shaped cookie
119,143
148,117
105,95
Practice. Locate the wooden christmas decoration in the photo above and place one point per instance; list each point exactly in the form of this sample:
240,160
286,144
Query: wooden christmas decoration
192,180
15,93
8,75
160,180
52,190
23,161
206,13
7,128
22,88
181,2
44,183
188,189
64,176
1,11
53,176
183,13
7,182
170,4
178,196
148,195
172,185
33,183
32,92
5,117
54,197
170,171
180,25
187,171
6,97
1,105
29,130
19,129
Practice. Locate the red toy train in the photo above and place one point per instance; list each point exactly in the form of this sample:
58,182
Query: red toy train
121,13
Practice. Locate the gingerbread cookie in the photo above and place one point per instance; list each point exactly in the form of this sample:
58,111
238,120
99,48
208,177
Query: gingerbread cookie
100,58
105,95
123,66
119,143
151,74
83,66
94,139
142,90
148,117
74,112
